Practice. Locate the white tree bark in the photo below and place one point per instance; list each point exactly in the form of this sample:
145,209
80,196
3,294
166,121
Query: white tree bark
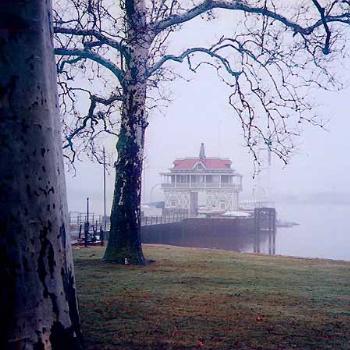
37,300
125,234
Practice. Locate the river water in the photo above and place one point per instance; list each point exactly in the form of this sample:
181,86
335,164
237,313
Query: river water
322,232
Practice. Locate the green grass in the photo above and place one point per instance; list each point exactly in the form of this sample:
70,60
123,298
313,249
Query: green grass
209,299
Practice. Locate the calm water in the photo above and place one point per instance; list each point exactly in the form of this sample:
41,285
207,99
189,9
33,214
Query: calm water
322,232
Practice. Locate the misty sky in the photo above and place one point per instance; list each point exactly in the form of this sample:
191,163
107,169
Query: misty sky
200,113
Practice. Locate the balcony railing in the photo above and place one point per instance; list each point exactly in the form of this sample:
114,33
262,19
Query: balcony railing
195,185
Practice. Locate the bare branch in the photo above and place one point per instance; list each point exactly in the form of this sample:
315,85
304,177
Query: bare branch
102,39
211,52
94,57
209,5
321,10
85,128
269,65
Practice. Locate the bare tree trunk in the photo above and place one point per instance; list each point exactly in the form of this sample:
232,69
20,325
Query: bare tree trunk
38,307
124,244
124,239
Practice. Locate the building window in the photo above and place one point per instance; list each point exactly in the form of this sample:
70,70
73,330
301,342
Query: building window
182,179
226,179
209,179
196,179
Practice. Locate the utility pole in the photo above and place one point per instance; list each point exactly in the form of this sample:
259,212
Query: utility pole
104,189
87,209
268,171
86,225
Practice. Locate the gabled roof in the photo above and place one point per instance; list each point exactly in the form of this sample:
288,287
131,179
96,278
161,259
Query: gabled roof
208,163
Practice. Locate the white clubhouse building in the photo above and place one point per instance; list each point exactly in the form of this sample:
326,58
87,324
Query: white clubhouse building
202,184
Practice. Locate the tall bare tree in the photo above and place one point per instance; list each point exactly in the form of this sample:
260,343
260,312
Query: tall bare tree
276,52
38,307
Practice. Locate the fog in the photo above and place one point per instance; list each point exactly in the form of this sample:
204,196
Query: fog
199,112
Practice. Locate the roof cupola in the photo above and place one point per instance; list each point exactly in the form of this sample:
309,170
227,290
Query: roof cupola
202,152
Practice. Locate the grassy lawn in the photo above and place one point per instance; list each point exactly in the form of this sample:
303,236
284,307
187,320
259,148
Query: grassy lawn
208,299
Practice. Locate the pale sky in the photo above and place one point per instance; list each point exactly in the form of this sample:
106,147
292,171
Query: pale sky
200,113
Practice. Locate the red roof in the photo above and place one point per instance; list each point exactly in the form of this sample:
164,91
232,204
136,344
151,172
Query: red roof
209,163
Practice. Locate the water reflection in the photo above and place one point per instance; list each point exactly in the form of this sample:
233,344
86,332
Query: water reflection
238,235
264,242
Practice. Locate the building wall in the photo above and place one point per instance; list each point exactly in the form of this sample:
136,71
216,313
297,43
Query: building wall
216,199
177,199
222,200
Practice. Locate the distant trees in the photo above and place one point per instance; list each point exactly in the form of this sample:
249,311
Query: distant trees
38,306
276,52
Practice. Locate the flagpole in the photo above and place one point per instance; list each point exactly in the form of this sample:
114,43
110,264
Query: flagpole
104,189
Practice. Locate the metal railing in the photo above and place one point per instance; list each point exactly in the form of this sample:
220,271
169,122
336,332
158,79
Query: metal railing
237,187
78,220
252,204
165,219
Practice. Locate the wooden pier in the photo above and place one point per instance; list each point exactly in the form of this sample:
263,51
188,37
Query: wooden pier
265,222
179,229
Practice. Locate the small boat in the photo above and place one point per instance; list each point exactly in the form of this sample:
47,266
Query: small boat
280,223
238,214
